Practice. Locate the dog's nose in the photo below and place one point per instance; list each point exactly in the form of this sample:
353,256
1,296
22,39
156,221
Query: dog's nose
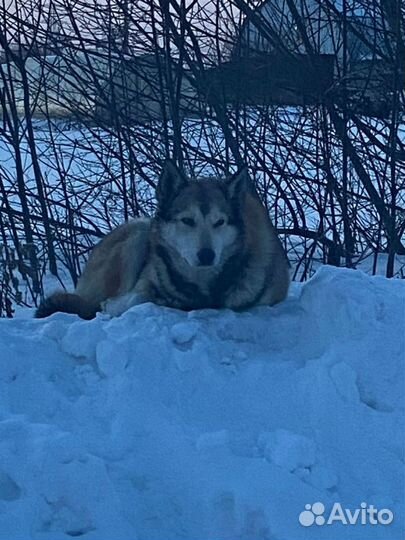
206,256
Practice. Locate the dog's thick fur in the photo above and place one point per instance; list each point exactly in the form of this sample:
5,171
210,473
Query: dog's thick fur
210,245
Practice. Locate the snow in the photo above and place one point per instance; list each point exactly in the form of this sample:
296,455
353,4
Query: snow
209,425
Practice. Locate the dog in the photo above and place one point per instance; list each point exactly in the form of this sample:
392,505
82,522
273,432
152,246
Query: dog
211,244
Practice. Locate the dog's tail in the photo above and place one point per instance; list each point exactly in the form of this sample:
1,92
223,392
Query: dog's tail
66,303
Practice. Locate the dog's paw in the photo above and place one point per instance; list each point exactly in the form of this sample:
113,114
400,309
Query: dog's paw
118,305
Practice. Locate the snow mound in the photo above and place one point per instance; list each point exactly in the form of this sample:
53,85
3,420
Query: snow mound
211,425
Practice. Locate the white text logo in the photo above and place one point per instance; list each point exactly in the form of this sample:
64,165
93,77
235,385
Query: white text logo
365,515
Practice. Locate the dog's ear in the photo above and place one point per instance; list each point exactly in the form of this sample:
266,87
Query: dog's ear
171,181
238,184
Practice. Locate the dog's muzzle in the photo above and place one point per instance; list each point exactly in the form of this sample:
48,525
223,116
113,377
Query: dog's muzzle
206,257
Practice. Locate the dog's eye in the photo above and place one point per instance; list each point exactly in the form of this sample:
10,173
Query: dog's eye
188,221
219,223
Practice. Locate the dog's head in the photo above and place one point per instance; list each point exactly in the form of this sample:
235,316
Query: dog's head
201,220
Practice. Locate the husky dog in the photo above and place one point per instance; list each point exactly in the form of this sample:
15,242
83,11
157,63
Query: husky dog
211,244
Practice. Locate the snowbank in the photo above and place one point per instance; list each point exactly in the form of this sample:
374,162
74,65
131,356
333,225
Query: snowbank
163,425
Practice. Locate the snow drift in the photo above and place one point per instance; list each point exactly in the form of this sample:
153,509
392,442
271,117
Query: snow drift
212,425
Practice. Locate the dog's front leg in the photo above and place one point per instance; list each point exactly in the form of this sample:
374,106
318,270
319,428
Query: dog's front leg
119,304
